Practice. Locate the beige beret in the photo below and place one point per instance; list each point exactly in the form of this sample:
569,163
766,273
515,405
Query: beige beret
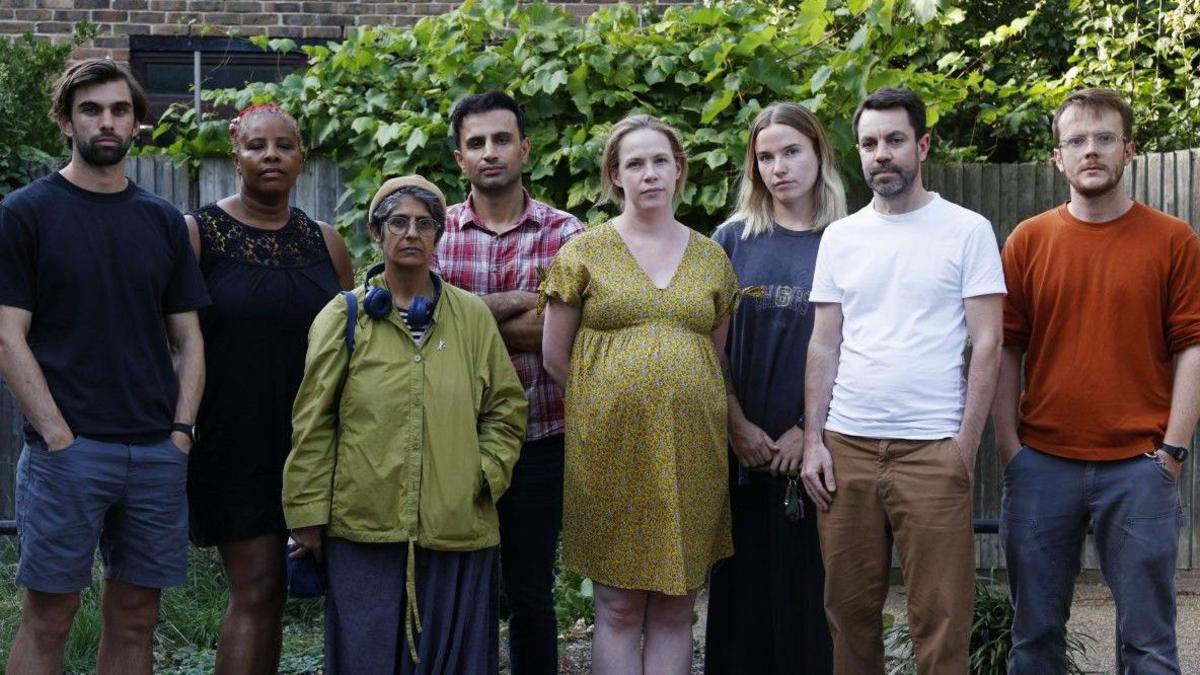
392,184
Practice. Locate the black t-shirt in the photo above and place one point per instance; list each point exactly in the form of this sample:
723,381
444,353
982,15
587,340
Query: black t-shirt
99,272
768,337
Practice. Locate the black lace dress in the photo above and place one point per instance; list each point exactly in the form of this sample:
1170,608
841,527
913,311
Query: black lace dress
266,287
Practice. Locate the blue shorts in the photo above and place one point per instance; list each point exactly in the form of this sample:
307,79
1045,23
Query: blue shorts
129,499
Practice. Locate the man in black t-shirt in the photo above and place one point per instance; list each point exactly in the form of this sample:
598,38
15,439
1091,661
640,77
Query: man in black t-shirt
100,344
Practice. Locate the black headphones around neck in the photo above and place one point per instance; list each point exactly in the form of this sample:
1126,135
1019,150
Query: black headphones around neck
378,301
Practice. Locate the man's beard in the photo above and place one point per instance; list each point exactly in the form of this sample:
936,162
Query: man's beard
97,155
892,188
1108,186
496,184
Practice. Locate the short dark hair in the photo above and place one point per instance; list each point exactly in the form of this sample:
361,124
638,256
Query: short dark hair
95,71
481,103
1096,99
886,98
430,200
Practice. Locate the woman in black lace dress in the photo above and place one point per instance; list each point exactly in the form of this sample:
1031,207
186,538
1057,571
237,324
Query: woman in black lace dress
269,269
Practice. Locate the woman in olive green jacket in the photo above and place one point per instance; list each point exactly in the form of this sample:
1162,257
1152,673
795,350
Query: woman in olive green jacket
404,436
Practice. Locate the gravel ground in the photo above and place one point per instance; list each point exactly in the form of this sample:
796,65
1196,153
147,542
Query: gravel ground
1092,613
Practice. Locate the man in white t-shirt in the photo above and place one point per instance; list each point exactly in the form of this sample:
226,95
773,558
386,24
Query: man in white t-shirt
893,428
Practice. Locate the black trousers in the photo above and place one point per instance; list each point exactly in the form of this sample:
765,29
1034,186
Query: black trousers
530,521
766,609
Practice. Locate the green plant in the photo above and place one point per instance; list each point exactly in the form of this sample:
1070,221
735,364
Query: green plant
1033,52
378,102
189,620
28,137
991,637
572,599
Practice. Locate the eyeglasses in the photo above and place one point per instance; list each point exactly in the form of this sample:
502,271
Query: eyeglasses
1105,141
399,225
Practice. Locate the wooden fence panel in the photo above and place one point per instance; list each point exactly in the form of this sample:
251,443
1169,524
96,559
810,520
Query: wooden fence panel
318,190
1026,191
1169,202
931,177
1045,187
989,181
217,178
11,439
1140,182
1009,188
1186,186
953,181
1153,180
1194,190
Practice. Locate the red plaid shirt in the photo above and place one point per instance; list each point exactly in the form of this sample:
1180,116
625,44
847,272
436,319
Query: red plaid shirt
477,259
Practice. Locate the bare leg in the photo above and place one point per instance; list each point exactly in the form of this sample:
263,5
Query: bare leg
668,648
127,642
45,623
617,640
252,629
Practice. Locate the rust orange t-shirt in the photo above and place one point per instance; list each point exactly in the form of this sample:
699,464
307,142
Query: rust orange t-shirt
1100,309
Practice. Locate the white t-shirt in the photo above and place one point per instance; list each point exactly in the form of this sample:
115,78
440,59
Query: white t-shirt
901,281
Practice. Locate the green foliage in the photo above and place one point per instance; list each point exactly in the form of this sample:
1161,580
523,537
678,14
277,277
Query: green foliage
189,620
1033,52
991,73
28,137
572,599
378,103
991,637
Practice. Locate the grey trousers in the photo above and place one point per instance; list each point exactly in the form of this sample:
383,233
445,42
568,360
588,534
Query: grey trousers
1134,508
366,608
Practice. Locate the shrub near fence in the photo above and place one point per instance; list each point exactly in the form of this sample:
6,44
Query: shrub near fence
1005,193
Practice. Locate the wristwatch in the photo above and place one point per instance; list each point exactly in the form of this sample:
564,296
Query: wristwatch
186,429
1177,453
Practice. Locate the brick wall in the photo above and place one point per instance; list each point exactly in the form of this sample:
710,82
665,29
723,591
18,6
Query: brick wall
118,19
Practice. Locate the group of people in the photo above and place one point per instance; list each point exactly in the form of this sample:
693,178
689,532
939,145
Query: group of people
767,411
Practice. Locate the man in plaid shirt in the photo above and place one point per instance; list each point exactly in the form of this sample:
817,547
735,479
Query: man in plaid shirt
493,245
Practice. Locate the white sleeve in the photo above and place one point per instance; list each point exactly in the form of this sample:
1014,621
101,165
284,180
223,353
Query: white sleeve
824,286
982,273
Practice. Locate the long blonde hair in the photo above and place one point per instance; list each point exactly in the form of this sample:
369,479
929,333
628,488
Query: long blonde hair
609,190
754,205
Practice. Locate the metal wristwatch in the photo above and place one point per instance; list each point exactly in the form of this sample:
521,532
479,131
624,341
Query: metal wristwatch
1177,453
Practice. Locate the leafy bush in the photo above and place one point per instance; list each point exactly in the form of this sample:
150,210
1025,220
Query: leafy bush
572,599
28,137
1033,52
189,620
378,103
991,637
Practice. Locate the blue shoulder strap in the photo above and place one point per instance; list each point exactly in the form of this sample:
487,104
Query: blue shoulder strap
351,318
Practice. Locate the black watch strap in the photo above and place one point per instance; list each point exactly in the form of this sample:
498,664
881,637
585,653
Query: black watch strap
1177,453
188,430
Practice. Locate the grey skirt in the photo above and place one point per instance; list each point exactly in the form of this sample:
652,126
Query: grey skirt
367,606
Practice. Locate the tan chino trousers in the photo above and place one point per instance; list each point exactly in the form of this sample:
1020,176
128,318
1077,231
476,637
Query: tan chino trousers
919,494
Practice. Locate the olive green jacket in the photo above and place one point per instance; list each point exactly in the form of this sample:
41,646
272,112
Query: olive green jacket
400,451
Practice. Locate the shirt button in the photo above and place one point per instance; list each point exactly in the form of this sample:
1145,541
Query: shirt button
495,268
417,358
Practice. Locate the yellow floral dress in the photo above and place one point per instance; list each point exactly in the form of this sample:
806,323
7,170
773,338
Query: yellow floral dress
646,502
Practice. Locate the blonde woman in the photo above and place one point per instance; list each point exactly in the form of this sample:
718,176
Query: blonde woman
766,612
638,309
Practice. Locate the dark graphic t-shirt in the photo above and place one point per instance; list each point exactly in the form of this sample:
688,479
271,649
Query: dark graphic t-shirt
100,272
768,339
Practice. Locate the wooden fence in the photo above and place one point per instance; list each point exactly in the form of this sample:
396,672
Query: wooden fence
1009,193
1005,193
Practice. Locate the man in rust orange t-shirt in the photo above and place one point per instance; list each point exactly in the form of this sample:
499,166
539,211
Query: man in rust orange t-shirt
1103,307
